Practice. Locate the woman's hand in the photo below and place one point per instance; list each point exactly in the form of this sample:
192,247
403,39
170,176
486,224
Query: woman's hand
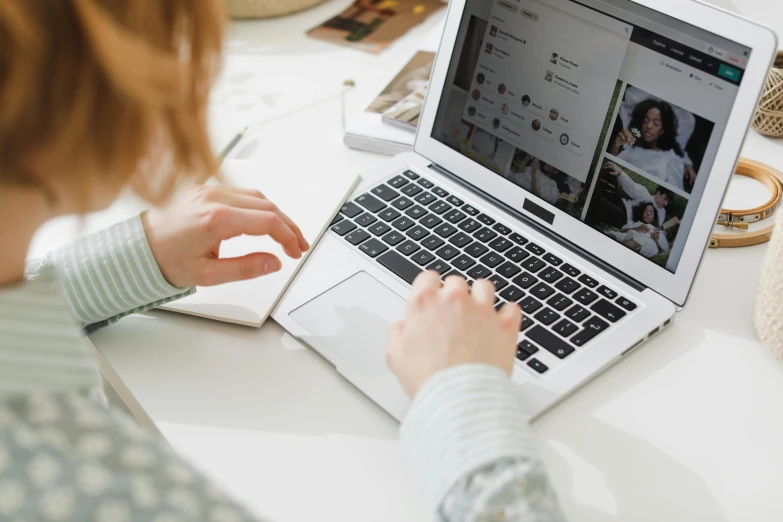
185,236
611,169
690,174
624,137
446,325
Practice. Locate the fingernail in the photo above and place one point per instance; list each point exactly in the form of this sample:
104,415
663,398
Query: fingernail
272,265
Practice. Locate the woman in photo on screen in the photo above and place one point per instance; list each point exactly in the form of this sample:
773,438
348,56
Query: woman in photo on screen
642,232
100,97
650,143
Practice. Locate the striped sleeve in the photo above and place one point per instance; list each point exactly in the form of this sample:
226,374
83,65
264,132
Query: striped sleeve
111,274
471,448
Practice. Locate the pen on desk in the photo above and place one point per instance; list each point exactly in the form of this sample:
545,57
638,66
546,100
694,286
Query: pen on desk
233,143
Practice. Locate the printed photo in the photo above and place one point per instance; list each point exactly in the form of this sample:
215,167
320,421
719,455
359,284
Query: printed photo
544,180
636,211
660,139
414,76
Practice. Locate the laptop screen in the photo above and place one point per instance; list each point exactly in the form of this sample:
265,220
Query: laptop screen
607,110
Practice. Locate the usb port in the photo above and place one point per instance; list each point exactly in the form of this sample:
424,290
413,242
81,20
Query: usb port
632,347
653,331
667,323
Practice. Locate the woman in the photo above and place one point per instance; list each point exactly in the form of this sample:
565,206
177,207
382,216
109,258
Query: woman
641,233
98,96
651,143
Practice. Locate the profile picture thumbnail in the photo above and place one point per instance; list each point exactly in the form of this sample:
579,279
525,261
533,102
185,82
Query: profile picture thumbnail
480,78
548,76
505,108
476,94
536,125
502,88
564,139
488,48
493,31
472,110
554,114
554,58
496,123
525,100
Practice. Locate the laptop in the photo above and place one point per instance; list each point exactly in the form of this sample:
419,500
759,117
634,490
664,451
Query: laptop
576,154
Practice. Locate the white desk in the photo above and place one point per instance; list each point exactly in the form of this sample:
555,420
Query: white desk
687,428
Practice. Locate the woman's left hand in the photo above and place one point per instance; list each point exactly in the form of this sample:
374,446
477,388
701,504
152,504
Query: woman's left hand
185,236
690,174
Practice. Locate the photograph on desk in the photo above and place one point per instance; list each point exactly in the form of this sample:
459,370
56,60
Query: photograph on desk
636,211
660,138
371,25
414,76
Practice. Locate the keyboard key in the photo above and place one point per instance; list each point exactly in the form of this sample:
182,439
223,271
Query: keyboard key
430,221
516,254
542,291
389,214
350,209
508,270
607,292
393,238
533,264
476,249
464,262
570,270
425,198
537,250
410,174
425,183
549,341
567,285
522,355
422,257
415,212
607,310
492,259
385,192
357,236
486,219
499,282
448,252
418,233
439,207
479,272
550,275
527,347
470,210
469,225
379,228
484,235
454,273
585,296
500,244
525,280
577,313
530,305
454,216
400,266
461,239
547,316
432,242
411,190
373,247
552,259
565,328
592,327
403,223
402,203
408,248
366,219
440,266
398,181
343,227
526,323
517,238
501,229
560,302
337,219
512,294
537,365
439,192
371,203
625,303
589,281
445,230
454,200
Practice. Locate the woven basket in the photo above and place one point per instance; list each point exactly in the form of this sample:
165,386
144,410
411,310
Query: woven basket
769,116
267,8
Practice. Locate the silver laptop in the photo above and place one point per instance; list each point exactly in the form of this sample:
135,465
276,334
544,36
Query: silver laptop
575,154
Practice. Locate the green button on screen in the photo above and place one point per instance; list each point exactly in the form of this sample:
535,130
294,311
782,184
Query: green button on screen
729,72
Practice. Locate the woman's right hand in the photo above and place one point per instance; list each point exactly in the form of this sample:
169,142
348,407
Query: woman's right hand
624,137
447,325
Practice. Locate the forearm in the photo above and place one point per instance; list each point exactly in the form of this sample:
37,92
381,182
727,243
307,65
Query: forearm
111,274
472,449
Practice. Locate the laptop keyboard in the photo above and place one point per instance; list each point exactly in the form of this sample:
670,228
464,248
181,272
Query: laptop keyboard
408,224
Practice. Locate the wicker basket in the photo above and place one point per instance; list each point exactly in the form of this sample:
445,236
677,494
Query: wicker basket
267,8
769,116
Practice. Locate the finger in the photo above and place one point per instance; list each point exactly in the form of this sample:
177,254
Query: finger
232,222
393,344
456,288
483,292
227,270
511,316
425,286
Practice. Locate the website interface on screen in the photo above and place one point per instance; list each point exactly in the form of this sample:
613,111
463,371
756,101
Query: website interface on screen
610,111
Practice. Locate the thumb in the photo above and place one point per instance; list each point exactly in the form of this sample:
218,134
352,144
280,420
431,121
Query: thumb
227,270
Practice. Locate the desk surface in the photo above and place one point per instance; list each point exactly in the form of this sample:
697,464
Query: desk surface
687,427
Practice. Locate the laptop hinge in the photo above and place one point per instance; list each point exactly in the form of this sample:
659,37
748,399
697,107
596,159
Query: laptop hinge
571,247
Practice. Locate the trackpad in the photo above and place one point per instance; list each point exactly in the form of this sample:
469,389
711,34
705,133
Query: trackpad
353,320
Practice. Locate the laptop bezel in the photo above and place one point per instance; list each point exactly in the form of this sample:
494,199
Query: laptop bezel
674,286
